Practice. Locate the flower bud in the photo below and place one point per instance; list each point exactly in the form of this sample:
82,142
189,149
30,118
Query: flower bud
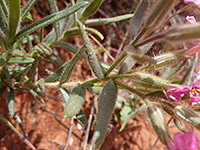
183,32
148,81
188,115
169,59
157,121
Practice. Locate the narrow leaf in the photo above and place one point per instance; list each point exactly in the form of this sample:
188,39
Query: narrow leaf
20,75
127,65
138,18
75,101
10,101
101,21
93,61
130,116
27,8
105,108
49,19
76,31
43,48
4,6
70,66
70,48
81,117
53,9
91,9
36,95
14,17
21,60
41,84
55,75
64,94
3,23
27,18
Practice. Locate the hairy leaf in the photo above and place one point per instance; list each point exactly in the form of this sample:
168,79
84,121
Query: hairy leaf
49,20
105,108
75,101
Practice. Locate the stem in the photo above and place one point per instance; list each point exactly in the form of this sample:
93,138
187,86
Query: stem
72,84
138,37
2,118
151,39
116,63
129,89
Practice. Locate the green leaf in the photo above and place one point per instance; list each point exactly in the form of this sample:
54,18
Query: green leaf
127,65
81,117
126,110
41,84
70,66
3,23
31,38
4,6
101,21
43,48
20,75
18,53
27,18
56,59
27,8
53,9
70,48
55,75
105,108
93,61
75,101
76,31
2,61
49,19
130,116
36,95
138,18
91,9
21,60
64,94
14,17
10,101
2,36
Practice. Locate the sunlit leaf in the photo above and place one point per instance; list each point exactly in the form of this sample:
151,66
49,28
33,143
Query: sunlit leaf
75,101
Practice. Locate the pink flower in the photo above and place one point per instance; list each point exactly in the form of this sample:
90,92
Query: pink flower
191,19
193,90
186,141
197,2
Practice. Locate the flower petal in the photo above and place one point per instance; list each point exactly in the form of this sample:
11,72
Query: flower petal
176,94
197,2
197,79
191,19
186,141
194,99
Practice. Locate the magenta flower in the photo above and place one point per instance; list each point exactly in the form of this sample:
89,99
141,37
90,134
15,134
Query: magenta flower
197,2
186,141
193,90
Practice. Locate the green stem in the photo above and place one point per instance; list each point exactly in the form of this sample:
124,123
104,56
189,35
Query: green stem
95,80
116,63
129,89
17,132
